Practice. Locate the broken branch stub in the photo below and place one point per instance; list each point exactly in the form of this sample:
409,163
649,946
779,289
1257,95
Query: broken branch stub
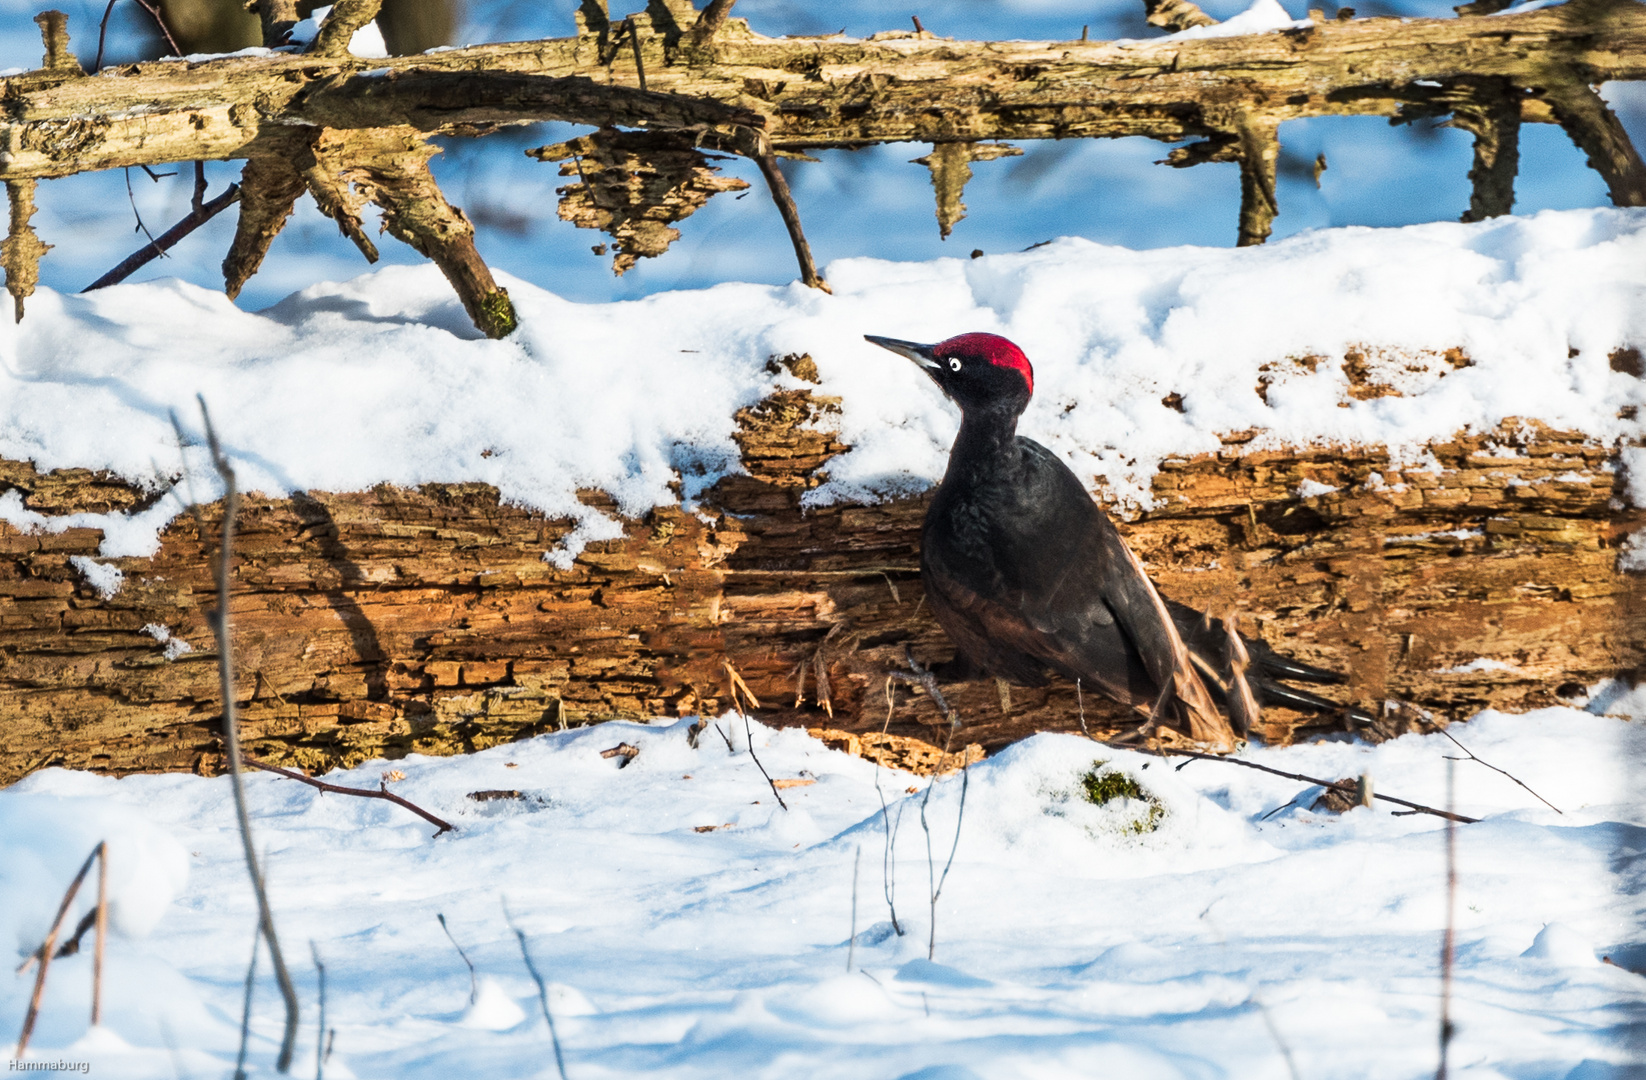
1175,15
269,189
391,168
950,165
346,17
21,250
633,185
1491,113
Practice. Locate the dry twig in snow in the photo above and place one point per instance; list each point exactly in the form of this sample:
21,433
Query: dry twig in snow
382,792
45,953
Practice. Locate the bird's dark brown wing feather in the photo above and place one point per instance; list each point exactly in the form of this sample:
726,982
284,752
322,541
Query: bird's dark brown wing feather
1062,592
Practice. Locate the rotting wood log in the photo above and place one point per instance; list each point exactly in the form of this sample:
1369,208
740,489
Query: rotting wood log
390,621
712,74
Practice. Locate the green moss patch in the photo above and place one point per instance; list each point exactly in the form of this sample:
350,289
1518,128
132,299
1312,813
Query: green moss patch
1103,784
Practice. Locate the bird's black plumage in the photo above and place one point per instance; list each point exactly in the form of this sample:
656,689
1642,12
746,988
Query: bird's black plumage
1027,574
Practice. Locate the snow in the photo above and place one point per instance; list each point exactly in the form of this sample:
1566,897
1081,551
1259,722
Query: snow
1264,16
1479,663
1067,945
106,578
382,379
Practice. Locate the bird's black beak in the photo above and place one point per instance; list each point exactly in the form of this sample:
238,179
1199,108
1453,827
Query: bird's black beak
920,354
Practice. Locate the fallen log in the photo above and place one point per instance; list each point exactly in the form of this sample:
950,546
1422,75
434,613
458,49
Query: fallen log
391,621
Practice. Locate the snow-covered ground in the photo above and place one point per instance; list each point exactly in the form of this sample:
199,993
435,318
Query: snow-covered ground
1242,929
383,379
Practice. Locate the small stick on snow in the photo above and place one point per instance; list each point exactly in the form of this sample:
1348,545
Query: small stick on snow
937,883
851,942
748,732
1415,807
888,860
474,989
542,989
382,792
1495,769
320,1033
245,1007
1447,942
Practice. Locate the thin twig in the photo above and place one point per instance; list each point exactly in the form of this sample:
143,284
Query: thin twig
1495,769
888,859
542,989
382,792
1449,940
231,734
320,1033
245,1008
201,213
102,937
748,732
851,943
474,988
146,5
937,884
1417,807
1080,703
45,951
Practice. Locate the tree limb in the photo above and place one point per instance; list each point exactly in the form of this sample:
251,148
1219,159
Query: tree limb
198,216
1596,130
346,17
363,793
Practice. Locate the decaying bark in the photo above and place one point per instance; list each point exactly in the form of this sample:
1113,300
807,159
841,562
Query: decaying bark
668,69
633,186
951,168
21,250
1490,111
269,189
1175,15
346,17
385,622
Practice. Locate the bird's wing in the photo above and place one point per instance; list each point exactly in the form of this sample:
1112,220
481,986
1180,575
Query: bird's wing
1090,578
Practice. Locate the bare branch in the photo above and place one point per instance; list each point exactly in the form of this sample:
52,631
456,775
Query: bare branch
45,953
748,732
198,216
231,733
1418,807
1596,130
277,17
1501,772
346,17
708,23
1175,15
1491,114
382,792
1259,152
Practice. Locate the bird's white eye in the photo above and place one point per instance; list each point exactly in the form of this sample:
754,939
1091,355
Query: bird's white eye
954,365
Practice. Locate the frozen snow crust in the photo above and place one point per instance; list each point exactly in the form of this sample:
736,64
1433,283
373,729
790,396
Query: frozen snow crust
382,379
1066,947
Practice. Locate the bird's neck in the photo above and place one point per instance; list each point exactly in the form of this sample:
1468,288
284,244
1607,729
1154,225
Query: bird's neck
986,445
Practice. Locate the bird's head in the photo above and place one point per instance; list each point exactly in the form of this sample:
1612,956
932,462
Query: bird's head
979,371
